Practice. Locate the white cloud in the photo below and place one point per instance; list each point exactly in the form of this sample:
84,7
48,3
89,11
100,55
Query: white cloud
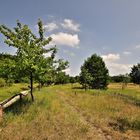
51,26
111,57
65,39
70,25
114,66
48,54
117,68
66,24
68,71
126,53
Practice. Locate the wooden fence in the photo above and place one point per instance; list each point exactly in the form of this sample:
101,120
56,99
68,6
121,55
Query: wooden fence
6,103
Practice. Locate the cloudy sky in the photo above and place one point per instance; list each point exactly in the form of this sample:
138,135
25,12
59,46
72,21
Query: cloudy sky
80,28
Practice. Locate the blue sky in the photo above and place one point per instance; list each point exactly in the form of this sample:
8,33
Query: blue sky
80,28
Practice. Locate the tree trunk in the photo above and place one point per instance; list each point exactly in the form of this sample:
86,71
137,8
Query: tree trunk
31,85
39,86
85,87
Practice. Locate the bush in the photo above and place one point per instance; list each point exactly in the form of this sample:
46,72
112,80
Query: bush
2,82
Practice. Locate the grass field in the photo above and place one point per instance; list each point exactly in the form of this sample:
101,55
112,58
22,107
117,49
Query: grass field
8,91
131,89
66,112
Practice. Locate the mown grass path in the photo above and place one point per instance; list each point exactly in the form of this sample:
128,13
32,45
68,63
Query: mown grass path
96,131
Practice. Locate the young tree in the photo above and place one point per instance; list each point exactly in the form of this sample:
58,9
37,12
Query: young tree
44,73
61,78
94,73
135,74
51,68
30,48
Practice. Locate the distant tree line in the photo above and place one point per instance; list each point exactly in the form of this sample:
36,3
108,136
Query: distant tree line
120,78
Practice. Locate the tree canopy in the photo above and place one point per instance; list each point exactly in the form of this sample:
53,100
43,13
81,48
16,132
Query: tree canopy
30,59
94,73
135,74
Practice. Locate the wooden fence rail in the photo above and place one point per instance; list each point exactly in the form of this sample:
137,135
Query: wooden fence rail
8,102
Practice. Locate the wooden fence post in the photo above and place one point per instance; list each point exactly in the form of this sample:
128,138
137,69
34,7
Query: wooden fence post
1,111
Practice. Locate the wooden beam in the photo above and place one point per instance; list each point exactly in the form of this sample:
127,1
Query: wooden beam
13,100
1,111
6,103
24,93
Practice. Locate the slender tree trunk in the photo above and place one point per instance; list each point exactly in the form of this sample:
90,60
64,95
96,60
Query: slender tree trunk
39,86
85,87
31,84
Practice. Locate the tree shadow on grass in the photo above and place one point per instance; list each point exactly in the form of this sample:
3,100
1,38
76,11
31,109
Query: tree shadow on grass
124,124
19,107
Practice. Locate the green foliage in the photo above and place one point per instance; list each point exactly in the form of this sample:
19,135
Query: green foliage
2,82
135,74
30,60
62,78
77,79
51,70
72,79
9,91
7,67
94,73
120,78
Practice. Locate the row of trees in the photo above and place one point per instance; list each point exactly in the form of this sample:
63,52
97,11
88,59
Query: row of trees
9,75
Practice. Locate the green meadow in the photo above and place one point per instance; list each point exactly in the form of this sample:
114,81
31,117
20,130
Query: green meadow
68,112
8,91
